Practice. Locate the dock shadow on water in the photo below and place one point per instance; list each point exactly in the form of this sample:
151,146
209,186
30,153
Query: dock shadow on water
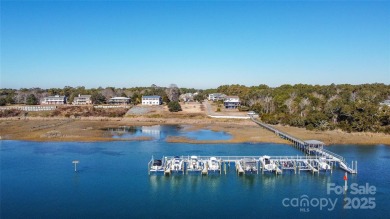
162,132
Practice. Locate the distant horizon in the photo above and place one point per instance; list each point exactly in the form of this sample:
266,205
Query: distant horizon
193,44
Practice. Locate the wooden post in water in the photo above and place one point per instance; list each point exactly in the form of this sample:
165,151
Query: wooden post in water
356,167
295,167
75,162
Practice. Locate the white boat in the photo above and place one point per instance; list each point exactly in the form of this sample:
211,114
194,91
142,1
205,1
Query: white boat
249,165
177,164
213,164
194,164
157,166
323,165
268,164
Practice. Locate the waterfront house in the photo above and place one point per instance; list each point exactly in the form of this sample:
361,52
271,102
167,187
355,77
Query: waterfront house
188,97
151,100
54,100
82,100
119,100
216,97
232,102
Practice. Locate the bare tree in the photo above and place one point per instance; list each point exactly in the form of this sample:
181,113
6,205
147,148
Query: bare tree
290,103
302,105
173,92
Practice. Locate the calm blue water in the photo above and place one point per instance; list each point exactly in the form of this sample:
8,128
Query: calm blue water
38,181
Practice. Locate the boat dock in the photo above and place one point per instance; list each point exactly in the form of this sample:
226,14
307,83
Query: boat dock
311,147
316,159
276,164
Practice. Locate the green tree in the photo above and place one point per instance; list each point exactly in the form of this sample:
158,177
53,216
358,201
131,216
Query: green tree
31,100
3,101
98,98
200,98
136,98
165,99
174,106
10,99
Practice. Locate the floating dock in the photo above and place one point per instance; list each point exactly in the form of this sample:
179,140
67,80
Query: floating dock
272,164
316,159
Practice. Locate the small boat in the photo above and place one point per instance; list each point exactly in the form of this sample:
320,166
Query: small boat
157,166
249,165
269,165
177,164
322,164
213,164
194,164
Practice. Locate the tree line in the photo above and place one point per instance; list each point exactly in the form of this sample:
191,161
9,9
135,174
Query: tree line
32,96
326,107
321,107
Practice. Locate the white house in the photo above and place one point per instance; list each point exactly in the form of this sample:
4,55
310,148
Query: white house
188,97
54,100
151,100
82,100
216,97
232,102
119,100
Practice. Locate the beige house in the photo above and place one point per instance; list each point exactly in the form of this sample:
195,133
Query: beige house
82,100
54,100
119,100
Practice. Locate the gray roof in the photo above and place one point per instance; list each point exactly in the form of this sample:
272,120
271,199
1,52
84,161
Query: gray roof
56,96
83,96
155,96
314,142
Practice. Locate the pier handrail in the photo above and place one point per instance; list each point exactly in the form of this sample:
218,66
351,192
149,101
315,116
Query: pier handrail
341,158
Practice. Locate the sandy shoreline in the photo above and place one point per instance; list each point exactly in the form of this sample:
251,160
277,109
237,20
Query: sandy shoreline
91,129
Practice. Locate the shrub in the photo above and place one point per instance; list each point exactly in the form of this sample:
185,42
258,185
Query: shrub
174,106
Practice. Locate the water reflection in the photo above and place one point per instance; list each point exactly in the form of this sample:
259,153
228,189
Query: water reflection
161,132
153,131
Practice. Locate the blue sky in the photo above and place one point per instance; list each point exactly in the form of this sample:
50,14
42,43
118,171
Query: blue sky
193,44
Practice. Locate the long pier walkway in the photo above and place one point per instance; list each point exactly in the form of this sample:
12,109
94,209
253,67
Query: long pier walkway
311,148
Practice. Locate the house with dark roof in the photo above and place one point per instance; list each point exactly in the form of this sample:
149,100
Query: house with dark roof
119,100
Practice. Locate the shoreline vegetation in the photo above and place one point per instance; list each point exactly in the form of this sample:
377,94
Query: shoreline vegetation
92,129
334,114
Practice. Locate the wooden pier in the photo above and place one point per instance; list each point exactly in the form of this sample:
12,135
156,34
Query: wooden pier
311,147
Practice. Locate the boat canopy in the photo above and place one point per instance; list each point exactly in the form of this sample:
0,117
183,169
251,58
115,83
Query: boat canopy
266,157
157,163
